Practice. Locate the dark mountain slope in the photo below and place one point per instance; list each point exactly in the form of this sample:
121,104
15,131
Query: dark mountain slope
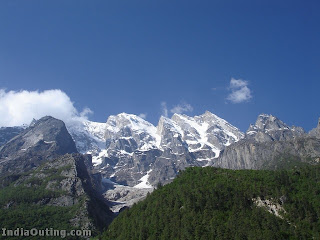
58,194
212,203
46,139
45,183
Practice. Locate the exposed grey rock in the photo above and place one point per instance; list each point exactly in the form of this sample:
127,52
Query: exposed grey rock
130,147
271,205
120,196
135,147
128,132
128,169
249,154
71,180
81,183
62,201
316,131
126,163
132,152
270,128
45,139
266,143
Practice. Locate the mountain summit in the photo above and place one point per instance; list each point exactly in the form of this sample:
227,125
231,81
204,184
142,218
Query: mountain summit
270,128
271,144
46,139
128,148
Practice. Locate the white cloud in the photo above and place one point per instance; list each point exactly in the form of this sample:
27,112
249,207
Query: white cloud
86,112
18,108
143,115
234,83
181,108
164,109
239,91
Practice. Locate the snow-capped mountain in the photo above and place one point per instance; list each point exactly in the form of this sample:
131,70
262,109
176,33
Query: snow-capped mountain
131,155
206,132
129,132
131,151
89,137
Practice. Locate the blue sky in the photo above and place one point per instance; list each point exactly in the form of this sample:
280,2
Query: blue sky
138,56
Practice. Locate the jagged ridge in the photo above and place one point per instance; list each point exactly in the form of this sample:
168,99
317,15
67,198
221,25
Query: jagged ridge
134,147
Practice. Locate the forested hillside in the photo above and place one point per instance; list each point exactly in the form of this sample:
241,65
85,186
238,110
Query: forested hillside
212,203
56,195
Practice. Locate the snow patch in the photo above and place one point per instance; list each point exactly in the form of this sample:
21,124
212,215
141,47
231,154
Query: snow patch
137,125
144,181
197,131
97,159
87,135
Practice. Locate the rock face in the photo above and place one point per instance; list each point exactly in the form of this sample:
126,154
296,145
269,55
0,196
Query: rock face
266,142
137,152
316,131
120,197
45,139
272,206
249,154
270,128
67,182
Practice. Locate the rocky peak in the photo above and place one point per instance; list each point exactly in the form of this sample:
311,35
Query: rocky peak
47,138
267,122
122,120
270,128
220,128
33,122
188,128
210,117
270,143
129,132
171,135
316,131
166,125
208,130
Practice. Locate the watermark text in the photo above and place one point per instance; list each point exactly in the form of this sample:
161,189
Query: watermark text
48,232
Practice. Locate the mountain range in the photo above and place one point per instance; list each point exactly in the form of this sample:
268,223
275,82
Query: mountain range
131,151
130,156
127,148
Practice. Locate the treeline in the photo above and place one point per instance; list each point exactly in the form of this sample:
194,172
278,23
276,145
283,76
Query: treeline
211,203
